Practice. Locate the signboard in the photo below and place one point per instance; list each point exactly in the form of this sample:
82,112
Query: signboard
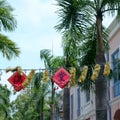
16,80
61,77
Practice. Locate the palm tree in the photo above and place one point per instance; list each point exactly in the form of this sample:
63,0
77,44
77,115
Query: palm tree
80,14
8,48
51,63
40,93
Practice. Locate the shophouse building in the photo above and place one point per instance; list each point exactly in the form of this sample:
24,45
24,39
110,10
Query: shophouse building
114,83
82,104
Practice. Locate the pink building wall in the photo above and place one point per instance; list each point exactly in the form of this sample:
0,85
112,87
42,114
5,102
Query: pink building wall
88,109
114,43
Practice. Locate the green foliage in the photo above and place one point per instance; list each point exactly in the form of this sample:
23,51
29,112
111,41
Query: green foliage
71,47
83,15
20,107
73,14
8,48
57,62
8,22
33,105
40,94
77,20
4,102
50,61
45,55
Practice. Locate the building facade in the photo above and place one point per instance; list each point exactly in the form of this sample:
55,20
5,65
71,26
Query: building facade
114,58
82,104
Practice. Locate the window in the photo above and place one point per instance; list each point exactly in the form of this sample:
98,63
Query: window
116,66
71,107
78,97
116,72
87,96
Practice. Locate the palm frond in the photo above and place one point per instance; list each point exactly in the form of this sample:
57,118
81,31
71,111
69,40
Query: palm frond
72,14
8,48
7,20
46,56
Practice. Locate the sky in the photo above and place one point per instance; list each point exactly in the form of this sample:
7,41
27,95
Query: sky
35,31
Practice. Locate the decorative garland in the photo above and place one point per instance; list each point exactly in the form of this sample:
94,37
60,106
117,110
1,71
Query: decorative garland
27,79
106,69
83,74
18,69
96,72
45,76
72,76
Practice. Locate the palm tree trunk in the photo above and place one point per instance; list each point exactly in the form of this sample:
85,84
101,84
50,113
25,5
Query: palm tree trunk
52,103
101,97
66,104
101,83
52,112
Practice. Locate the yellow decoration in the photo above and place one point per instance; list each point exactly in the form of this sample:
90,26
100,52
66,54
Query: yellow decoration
14,92
106,69
83,74
18,68
45,76
8,69
72,76
29,78
25,83
95,72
